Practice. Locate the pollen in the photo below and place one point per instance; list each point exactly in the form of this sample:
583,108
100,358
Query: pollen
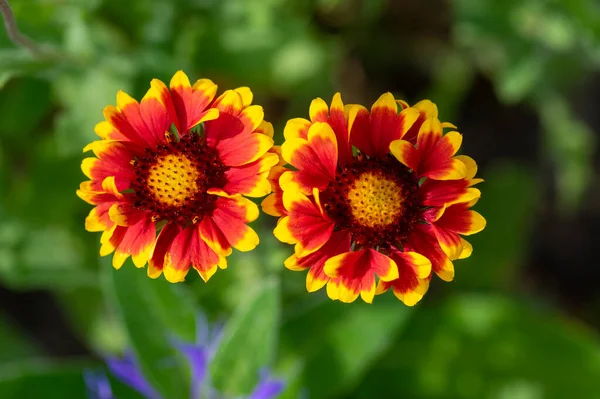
172,179
375,200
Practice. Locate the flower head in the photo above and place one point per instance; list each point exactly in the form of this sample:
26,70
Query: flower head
198,356
170,174
374,199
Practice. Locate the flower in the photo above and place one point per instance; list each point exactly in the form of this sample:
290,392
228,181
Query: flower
198,356
374,199
170,176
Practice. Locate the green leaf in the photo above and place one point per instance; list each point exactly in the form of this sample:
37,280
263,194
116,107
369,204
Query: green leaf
137,299
175,308
42,380
248,342
488,346
351,344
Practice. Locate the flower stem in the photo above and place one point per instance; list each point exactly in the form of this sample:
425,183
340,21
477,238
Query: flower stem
13,31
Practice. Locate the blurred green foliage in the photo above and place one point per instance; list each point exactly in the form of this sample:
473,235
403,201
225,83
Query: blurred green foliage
480,337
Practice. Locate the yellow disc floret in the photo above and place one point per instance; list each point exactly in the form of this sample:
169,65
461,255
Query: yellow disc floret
375,200
172,179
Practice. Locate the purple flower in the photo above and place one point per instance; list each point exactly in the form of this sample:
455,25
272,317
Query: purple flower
267,388
97,385
198,355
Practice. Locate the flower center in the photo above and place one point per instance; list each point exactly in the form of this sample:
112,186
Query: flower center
375,200
172,180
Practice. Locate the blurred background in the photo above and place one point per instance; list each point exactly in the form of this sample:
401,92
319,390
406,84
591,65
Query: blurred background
520,79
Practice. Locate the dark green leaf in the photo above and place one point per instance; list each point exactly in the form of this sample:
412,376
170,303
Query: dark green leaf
248,342
151,339
42,380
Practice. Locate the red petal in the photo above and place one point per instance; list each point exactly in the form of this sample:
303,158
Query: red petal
214,238
163,243
136,240
188,249
315,158
460,219
224,127
243,148
424,242
306,224
231,216
113,160
338,243
440,193
190,104
385,125
356,272
251,179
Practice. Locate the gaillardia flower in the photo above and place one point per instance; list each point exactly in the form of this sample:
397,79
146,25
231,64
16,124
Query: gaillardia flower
374,199
170,176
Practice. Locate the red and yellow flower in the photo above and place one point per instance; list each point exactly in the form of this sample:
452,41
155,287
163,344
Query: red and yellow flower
171,174
374,200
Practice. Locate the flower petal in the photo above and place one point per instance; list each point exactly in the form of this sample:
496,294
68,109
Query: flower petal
106,131
190,103
246,95
136,240
471,166
315,158
163,242
127,371
273,204
413,277
355,273
449,241
251,179
338,243
447,192
149,119
385,126
231,215
243,148
296,128
427,110
266,128
318,111
424,241
338,122
406,153
114,159
98,219
214,237
429,135
267,388
459,219
467,249
438,163
306,226
188,249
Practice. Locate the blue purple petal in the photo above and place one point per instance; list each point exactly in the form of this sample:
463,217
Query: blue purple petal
127,371
267,388
98,386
